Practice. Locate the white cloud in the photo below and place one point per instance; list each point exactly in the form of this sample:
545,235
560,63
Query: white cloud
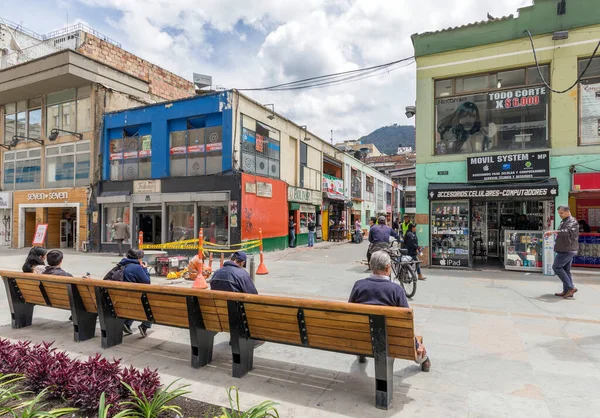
264,42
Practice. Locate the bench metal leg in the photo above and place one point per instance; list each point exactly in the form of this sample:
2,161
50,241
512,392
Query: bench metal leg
21,313
242,347
202,341
384,381
384,364
84,323
111,327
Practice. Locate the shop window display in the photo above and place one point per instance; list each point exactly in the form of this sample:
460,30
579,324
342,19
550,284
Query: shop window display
214,220
111,214
450,233
181,222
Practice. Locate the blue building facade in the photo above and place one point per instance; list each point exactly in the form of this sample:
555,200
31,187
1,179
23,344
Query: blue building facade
167,170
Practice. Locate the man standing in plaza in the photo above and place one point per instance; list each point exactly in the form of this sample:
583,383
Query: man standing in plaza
566,246
121,233
292,229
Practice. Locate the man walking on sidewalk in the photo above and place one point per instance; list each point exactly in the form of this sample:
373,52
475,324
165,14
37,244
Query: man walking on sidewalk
121,233
565,247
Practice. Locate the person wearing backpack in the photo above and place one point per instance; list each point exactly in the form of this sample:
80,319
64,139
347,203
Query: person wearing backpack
132,269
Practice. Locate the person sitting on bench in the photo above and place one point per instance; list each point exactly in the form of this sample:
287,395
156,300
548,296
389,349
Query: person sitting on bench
233,277
378,289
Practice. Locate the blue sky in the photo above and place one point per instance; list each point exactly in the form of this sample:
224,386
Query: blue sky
264,42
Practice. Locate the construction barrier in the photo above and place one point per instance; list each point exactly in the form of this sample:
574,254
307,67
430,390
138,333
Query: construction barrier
203,246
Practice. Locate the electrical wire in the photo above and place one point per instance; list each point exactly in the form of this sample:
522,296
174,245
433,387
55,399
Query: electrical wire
343,81
329,78
540,71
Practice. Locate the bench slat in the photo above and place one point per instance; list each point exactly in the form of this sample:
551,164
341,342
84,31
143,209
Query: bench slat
359,347
176,322
325,323
35,300
130,314
169,311
400,341
253,307
54,286
336,316
275,336
285,326
292,319
167,298
399,323
167,305
338,333
400,332
213,326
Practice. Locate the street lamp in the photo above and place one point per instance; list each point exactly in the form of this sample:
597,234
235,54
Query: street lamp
272,115
54,134
306,138
17,138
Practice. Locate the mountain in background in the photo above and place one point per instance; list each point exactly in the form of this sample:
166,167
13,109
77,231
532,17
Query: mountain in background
388,138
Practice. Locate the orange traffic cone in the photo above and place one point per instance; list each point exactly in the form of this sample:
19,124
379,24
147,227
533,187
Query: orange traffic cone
262,269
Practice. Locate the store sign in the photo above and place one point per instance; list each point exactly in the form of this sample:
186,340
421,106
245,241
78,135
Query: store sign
307,208
542,191
250,188
333,186
510,99
296,194
146,186
450,262
520,166
264,189
48,196
5,200
586,181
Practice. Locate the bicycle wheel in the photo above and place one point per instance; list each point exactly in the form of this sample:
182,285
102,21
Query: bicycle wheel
408,280
395,275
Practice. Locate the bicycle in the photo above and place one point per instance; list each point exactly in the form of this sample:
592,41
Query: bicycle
404,270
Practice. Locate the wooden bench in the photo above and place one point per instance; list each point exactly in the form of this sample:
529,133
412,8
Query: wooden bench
382,332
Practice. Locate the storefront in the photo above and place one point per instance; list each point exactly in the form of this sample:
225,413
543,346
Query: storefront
170,210
64,210
584,201
335,205
304,205
5,219
498,218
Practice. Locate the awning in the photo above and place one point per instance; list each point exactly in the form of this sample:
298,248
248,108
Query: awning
333,196
547,189
121,196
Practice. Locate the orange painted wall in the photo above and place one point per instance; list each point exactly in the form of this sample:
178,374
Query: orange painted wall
269,214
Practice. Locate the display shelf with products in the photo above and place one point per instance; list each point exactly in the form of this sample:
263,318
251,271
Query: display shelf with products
450,234
589,251
523,250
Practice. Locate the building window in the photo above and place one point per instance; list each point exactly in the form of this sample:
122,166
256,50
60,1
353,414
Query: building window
589,103
197,151
23,118
68,165
370,189
356,183
181,222
507,110
214,220
69,110
260,148
22,169
380,197
130,158
111,214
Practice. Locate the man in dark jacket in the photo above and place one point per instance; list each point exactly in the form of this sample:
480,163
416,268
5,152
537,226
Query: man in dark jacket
233,277
411,243
566,246
135,270
378,289
54,259
379,237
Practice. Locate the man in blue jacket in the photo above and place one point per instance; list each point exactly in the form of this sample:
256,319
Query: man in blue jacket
233,277
379,237
135,270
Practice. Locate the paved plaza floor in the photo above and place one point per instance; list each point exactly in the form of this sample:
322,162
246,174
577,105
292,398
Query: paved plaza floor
501,344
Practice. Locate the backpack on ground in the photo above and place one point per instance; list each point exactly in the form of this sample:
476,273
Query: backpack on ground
115,274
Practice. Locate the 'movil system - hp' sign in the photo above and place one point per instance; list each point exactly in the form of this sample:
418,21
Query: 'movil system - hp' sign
519,166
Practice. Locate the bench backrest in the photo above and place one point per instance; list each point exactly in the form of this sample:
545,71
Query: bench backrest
334,326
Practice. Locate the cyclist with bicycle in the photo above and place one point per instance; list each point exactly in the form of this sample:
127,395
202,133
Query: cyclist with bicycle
379,237
411,243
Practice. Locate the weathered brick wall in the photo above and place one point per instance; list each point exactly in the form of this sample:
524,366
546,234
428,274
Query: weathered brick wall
163,83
